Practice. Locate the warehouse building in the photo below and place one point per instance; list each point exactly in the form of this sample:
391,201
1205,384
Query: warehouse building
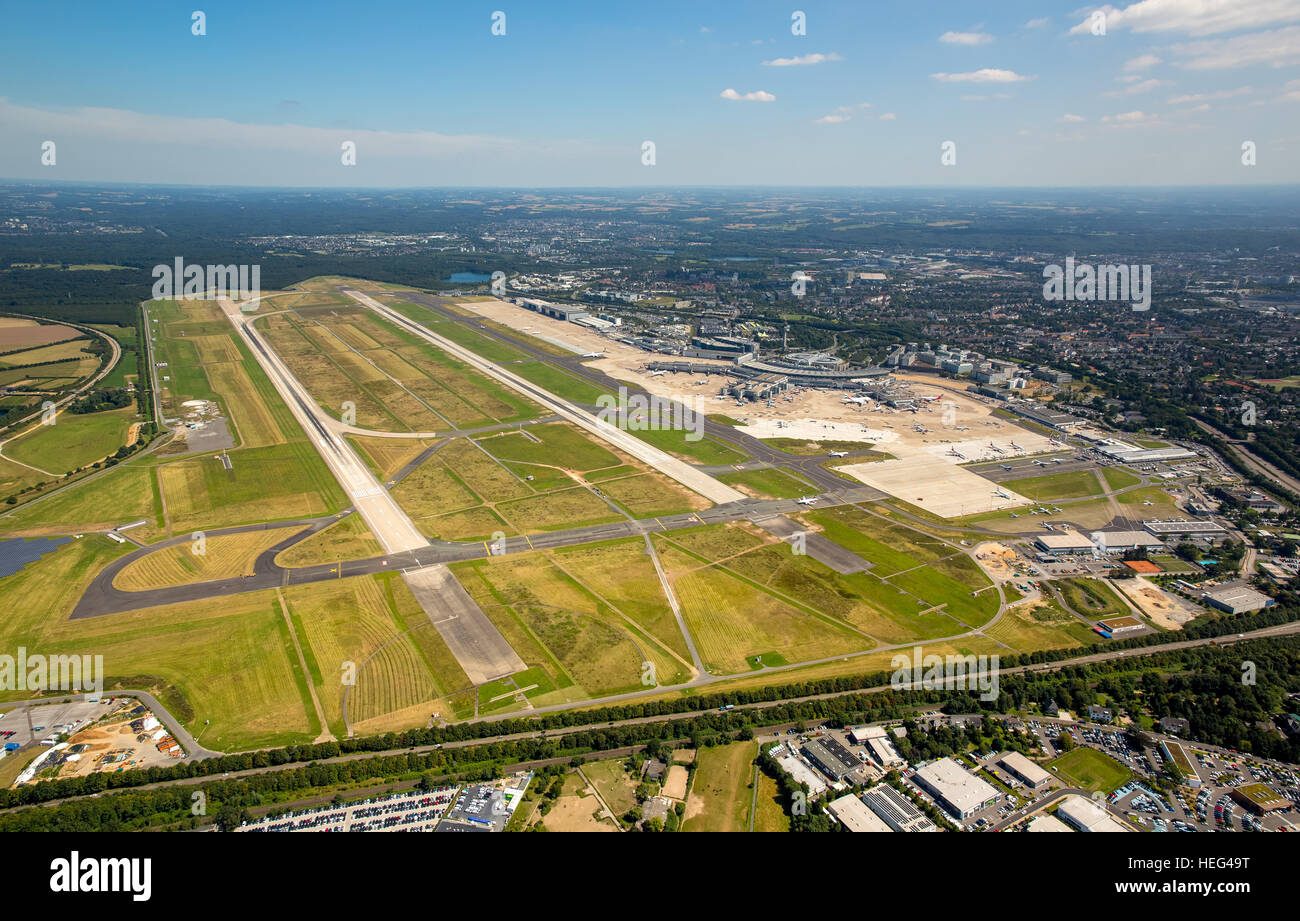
1085,815
955,788
1025,771
1237,599
1047,823
1068,542
883,751
831,758
854,815
896,810
1177,527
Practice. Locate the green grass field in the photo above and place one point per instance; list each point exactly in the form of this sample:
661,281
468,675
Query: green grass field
721,793
1089,769
770,483
73,441
1073,485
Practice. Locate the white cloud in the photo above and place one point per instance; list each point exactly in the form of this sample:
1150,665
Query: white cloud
1277,48
1208,97
1037,23
756,96
842,114
1145,86
986,75
1194,17
802,60
978,98
1141,62
1129,117
1291,92
1067,117
888,117
965,38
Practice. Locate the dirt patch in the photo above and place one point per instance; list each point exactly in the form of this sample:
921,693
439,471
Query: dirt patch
576,813
1164,609
675,782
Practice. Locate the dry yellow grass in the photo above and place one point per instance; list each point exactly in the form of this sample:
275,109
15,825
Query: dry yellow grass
223,557
257,427
349,539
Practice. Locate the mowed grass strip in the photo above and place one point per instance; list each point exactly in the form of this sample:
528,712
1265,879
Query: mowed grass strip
220,557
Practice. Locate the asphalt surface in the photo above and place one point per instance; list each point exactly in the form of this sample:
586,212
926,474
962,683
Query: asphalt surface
102,597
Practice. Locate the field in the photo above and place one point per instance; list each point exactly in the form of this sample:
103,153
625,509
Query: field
73,441
264,484
348,539
372,628
124,494
1076,484
396,381
684,444
1092,597
1040,626
733,620
611,780
61,351
721,794
1089,769
584,646
218,557
226,660
768,484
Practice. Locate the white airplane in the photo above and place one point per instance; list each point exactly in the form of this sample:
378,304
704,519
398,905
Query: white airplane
1002,492
595,355
1016,446
806,500
996,448
859,401
955,453
839,454
657,373
1006,466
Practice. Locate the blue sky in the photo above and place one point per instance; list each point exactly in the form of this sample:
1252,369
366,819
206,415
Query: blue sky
567,96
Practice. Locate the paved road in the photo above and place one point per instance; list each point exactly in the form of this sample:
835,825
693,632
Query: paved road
102,597
193,750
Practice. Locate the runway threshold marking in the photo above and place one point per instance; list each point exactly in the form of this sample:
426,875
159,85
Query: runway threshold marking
530,543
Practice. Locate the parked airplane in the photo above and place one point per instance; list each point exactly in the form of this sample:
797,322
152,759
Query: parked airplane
996,448
602,355
806,500
1016,446
657,373
955,453
1002,492
1006,466
839,454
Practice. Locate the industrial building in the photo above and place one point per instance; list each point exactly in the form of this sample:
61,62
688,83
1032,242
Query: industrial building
831,758
1047,823
1260,798
1025,771
1085,815
1176,527
896,810
955,788
799,770
1124,541
1067,542
883,751
854,815
1237,598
